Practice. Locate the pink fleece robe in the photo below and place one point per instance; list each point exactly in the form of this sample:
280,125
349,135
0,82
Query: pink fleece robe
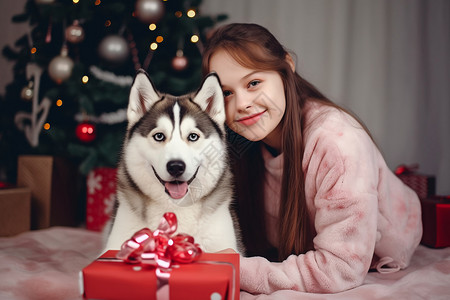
363,215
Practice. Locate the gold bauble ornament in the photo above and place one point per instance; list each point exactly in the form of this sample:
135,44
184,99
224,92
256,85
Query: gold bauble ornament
27,92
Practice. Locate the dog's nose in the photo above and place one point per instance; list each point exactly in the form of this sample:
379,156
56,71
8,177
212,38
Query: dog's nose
176,167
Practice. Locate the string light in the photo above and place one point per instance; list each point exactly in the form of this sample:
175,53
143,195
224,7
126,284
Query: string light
159,39
97,2
88,130
153,46
107,23
152,26
33,50
76,1
191,13
85,79
59,102
178,14
47,126
194,38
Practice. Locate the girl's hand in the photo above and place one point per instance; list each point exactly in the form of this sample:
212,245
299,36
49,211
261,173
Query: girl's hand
226,251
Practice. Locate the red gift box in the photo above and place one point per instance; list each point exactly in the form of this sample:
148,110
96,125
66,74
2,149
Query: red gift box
101,195
212,276
423,185
436,221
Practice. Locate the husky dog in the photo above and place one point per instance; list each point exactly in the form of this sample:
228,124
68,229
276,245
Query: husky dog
174,159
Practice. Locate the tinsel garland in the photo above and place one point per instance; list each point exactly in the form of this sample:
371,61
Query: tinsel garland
123,81
110,118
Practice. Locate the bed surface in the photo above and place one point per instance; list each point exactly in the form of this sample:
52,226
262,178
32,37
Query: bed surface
44,264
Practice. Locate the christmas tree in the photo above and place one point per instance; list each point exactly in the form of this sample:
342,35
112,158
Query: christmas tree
73,71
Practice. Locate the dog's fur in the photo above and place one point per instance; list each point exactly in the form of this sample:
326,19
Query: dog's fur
174,159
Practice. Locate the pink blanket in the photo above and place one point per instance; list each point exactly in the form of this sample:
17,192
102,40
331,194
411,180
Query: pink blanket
45,264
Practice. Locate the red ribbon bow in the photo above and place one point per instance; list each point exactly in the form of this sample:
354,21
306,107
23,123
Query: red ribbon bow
159,248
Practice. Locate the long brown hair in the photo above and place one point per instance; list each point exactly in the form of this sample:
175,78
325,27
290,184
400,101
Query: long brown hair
254,47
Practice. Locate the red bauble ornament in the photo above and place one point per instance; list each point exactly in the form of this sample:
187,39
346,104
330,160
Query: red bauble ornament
85,132
179,63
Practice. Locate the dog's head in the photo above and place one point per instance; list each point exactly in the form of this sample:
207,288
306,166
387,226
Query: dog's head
175,146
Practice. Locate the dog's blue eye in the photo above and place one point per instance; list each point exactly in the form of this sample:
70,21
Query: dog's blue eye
159,137
193,137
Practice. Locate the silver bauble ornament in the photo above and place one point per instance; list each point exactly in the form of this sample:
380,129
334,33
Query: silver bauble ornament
149,11
75,33
114,48
44,1
60,67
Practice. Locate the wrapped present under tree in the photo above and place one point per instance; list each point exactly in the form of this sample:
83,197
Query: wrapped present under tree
54,185
436,221
101,195
423,185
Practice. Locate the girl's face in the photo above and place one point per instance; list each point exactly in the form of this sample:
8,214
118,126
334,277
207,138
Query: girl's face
254,100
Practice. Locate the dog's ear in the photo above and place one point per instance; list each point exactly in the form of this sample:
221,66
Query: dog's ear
210,98
142,96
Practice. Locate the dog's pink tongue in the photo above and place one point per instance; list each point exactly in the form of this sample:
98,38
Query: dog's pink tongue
177,190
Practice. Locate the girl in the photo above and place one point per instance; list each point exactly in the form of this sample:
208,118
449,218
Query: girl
313,191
